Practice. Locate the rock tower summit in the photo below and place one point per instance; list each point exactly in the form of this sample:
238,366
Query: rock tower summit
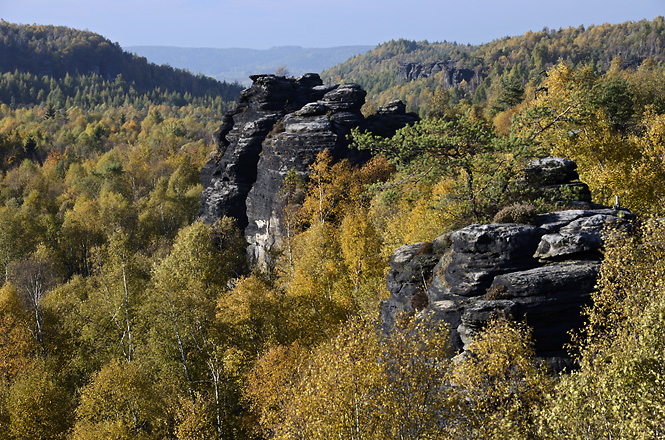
282,124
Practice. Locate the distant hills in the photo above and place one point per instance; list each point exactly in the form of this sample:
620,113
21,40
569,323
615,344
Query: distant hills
237,64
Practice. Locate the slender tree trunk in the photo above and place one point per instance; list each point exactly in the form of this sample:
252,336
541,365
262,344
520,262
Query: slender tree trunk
181,347
38,324
469,191
215,374
128,322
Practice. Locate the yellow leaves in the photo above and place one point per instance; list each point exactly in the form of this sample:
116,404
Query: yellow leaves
171,204
503,120
270,385
120,403
193,420
646,175
618,392
358,385
253,315
331,189
324,398
16,343
38,407
415,401
318,251
361,249
609,125
333,266
10,302
498,383
115,211
336,188
195,258
336,273
330,271
420,214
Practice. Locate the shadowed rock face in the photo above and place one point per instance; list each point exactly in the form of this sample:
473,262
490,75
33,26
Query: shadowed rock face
543,273
282,124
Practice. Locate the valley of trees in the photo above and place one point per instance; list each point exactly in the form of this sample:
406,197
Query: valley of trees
123,317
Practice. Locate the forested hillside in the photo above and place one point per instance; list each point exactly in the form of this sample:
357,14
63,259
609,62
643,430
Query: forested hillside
508,67
124,317
56,64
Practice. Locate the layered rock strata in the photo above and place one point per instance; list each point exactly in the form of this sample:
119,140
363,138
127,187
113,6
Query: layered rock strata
542,273
281,124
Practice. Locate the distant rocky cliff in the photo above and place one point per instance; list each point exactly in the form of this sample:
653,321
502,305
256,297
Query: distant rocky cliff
281,124
542,273
453,76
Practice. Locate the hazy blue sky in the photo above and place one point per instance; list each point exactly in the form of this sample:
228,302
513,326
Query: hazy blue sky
261,24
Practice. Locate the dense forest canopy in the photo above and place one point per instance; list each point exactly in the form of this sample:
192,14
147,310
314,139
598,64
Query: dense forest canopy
41,62
123,317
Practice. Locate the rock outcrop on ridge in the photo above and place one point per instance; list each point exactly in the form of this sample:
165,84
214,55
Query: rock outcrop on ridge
542,273
281,124
453,75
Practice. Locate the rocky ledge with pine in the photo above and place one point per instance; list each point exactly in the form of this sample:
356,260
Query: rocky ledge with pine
540,269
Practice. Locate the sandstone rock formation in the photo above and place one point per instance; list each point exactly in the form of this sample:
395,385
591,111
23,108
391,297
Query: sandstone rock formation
453,75
282,124
542,273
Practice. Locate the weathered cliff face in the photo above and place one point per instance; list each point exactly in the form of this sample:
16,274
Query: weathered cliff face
453,75
542,273
281,124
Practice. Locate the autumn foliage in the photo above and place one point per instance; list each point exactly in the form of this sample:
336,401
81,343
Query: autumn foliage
122,316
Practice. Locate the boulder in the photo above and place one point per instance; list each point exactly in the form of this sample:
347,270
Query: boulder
410,273
560,280
581,235
345,97
477,313
389,118
481,252
553,179
550,171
